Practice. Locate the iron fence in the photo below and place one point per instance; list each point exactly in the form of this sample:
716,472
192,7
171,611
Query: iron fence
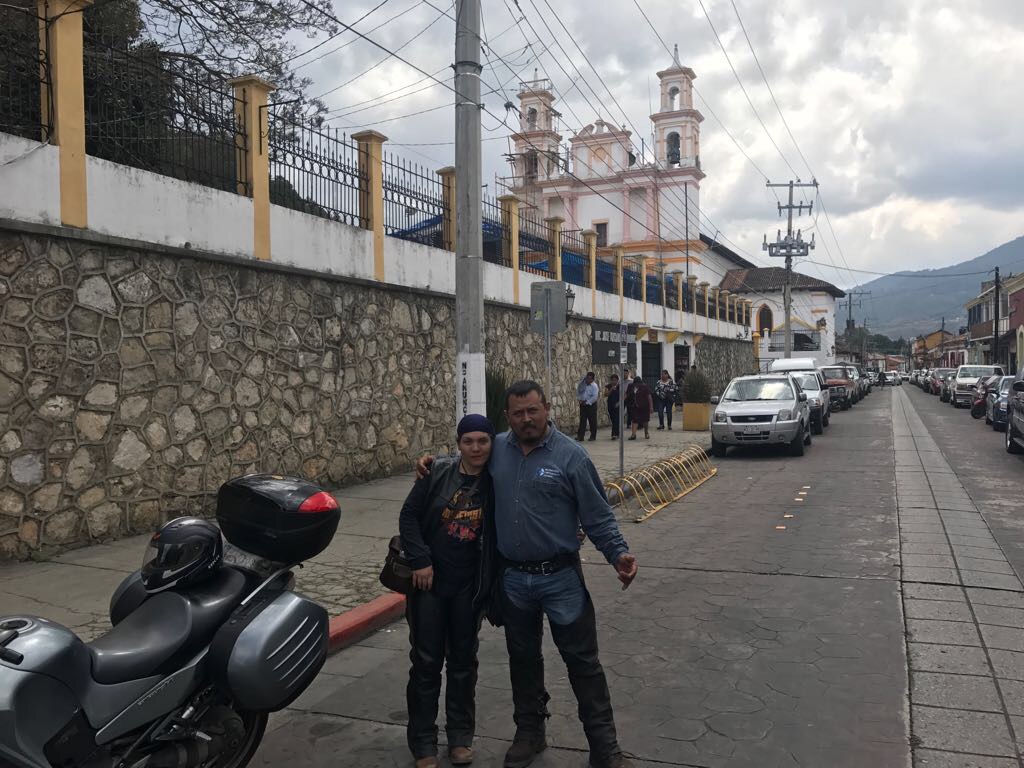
536,252
24,76
575,258
632,270
702,297
654,284
414,206
314,169
672,290
157,111
497,235
606,271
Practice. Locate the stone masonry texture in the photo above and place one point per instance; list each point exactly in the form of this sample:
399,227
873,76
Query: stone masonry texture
134,383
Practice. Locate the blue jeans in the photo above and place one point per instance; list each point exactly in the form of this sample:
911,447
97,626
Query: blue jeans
560,595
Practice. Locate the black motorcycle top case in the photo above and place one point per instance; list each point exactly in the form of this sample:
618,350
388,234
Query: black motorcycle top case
270,650
261,514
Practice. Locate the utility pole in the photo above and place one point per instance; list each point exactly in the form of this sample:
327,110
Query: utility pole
996,360
850,303
471,395
789,247
942,344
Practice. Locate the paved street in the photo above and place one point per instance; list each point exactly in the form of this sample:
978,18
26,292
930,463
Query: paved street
768,626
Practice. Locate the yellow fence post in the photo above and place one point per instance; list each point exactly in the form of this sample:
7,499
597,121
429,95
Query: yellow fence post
60,42
447,175
371,209
704,285
510,241
252,94
590,238
619,282
554,224
692,286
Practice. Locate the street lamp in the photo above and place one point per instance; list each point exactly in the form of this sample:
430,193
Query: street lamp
570,299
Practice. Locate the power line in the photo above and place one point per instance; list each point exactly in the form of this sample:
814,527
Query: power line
350,42
746,95
335,36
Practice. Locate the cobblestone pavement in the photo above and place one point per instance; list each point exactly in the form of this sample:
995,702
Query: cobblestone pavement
74,588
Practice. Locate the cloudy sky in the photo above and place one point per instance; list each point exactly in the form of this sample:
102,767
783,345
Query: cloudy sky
909,112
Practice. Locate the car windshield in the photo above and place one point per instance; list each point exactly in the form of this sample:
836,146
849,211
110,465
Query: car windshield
974,372
835,373
943,371
808,381
1005,385
759,389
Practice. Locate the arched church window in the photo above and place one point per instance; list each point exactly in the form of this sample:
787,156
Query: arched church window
764,320
673,148
673,98
531,118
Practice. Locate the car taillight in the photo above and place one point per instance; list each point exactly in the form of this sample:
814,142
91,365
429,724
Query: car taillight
319,502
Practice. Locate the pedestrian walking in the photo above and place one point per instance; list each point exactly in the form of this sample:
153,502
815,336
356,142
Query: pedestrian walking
586,394
612,392
546,487
447,530
641,403
665,399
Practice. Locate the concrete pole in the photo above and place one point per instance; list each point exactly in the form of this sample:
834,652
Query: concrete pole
471,396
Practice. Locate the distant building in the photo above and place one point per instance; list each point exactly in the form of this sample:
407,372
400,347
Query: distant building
929,350
812,322
1013,340
981,333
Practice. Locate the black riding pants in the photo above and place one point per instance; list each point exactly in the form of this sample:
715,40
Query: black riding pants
442,629
577,645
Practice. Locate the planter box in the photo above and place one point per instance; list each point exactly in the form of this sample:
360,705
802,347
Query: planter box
697,416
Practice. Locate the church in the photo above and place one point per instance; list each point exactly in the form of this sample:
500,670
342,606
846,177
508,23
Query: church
643,195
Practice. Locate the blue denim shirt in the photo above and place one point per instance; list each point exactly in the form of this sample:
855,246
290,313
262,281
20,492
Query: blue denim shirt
541,498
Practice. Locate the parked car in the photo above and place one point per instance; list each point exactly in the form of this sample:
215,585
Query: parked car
765,409
841,387
999,396
818,398
1015,415
967,377
904,376
859,382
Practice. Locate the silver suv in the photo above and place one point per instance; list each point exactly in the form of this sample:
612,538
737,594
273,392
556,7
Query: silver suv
963,383
761,410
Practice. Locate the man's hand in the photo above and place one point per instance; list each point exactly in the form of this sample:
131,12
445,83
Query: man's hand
626,567
424,578
423,466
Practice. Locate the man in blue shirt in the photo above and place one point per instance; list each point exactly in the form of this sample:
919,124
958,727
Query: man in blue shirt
586,394
546,487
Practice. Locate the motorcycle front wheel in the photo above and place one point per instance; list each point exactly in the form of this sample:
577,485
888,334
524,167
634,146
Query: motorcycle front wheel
977,411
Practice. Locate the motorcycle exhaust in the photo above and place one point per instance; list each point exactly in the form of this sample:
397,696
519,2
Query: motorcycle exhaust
224,732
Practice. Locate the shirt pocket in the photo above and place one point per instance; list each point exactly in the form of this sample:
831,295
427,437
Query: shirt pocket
547,486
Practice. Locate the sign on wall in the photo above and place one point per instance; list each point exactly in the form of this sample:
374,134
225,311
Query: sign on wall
604,343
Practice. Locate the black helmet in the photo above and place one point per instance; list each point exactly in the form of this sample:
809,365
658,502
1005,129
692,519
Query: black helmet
184,551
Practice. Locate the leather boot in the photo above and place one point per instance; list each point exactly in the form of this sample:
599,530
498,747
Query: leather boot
525,747
618,760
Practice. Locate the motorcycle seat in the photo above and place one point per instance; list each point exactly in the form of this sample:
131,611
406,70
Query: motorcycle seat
166,629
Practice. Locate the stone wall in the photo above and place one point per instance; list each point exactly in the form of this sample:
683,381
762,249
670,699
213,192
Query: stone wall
721,360
133,383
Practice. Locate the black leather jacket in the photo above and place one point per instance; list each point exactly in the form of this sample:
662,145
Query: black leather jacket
421,517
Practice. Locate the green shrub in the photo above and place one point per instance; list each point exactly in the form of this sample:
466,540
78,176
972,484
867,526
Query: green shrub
496,385
696,387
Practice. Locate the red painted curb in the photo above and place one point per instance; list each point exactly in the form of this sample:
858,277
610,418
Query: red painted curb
354,625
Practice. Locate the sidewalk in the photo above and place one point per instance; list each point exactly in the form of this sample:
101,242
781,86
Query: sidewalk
74,588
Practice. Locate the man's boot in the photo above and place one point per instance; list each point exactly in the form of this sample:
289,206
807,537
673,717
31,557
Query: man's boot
526,745
618,760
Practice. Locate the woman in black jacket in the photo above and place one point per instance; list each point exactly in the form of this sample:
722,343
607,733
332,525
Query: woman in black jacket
447,533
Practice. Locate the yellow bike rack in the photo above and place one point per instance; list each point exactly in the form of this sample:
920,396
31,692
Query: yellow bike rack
654,487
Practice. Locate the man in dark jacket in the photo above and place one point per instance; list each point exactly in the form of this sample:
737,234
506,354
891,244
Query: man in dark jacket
546,486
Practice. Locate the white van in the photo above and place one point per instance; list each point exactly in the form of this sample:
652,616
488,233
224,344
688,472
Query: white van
793,364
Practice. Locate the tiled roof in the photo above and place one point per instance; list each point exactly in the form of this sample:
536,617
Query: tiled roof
773,279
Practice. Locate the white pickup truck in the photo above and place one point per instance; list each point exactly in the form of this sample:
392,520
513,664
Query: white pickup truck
966,379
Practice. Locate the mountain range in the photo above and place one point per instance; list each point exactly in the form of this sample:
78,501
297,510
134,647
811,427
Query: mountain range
911,303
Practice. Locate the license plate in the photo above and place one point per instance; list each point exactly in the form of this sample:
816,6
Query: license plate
752,429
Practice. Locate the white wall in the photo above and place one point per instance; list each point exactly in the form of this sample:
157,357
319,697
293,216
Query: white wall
29,180
311,242
803,304
140,205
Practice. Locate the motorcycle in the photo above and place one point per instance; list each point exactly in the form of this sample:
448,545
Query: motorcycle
187,676
979,403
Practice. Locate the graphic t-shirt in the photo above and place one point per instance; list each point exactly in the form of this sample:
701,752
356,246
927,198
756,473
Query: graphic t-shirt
455,549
